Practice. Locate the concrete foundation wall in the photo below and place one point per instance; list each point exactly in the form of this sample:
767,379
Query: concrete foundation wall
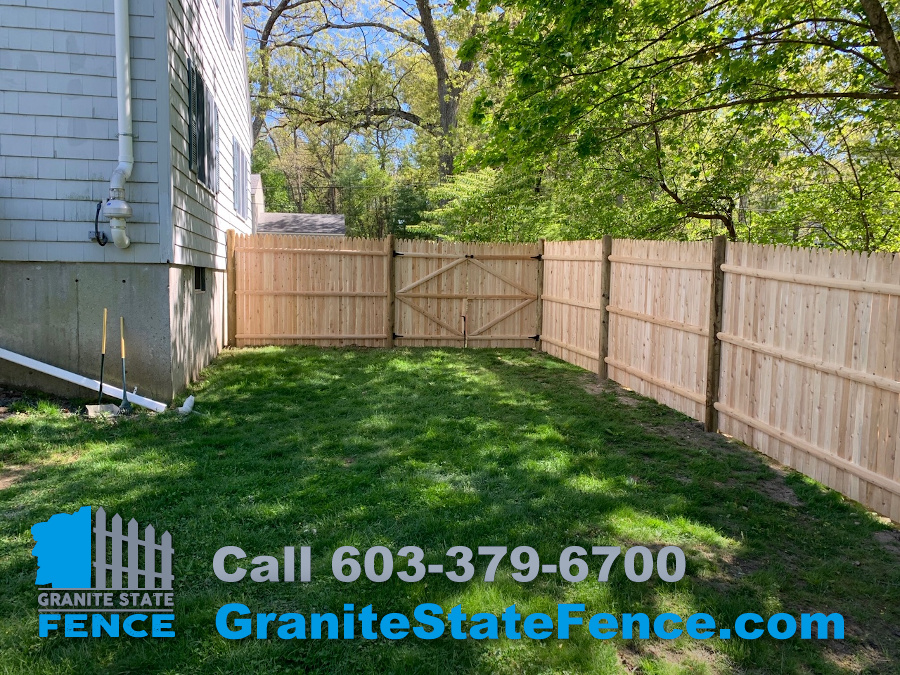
197,320
52,312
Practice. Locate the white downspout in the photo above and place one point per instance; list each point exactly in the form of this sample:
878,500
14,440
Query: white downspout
117,209
80,380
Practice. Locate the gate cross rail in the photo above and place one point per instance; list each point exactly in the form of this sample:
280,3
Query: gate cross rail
404,294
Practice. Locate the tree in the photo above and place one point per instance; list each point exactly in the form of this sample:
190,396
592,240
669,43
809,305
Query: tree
635,85
410,34
571,63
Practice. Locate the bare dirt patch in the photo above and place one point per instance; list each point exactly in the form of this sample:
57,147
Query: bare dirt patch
890,539
13,472
686,659
592,386
691,434
778,490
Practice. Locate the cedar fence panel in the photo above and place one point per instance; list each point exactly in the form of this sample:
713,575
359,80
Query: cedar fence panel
430,292
572,302
503,295
460,294
811,367
297,289
658,320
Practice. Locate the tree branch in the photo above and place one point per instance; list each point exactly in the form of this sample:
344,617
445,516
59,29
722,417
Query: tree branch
880,25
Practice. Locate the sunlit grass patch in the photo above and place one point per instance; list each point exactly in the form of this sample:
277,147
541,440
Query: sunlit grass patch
438,448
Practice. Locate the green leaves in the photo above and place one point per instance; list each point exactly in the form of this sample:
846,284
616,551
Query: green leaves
694,109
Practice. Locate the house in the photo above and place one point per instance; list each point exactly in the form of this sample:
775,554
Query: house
290,223
134,116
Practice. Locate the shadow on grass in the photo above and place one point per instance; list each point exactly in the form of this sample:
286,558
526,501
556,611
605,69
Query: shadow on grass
437,448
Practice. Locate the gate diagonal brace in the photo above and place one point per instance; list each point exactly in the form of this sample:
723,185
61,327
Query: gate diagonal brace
431,316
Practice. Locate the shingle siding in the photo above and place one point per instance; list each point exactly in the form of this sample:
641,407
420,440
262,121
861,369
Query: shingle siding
200,217
58,129
58,143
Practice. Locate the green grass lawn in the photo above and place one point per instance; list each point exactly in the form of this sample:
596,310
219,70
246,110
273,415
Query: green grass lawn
436,448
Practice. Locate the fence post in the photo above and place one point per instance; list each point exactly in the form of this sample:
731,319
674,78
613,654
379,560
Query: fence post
389,309
605,279
538,345
230,290
714,347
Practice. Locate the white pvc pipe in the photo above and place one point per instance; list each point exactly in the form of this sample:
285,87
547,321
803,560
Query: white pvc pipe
80,380
117,207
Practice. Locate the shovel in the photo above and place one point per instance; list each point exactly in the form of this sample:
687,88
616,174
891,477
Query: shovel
126,406
101,410
102,359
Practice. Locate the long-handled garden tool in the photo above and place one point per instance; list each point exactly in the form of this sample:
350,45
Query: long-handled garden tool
126,406
100,409
102,359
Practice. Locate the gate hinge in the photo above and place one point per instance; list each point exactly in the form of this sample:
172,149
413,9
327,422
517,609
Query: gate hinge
397,336
539,256
397,253
534,337
470,255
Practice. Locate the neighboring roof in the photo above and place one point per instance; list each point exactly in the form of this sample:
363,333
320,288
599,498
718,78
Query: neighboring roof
301,223
255,182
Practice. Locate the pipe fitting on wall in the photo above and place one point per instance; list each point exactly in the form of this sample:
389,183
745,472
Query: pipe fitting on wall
117,209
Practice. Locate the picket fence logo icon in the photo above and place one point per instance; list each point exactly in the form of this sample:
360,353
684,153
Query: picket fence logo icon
132,576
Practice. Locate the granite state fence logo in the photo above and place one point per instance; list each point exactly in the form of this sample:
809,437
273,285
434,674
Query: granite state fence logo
131,593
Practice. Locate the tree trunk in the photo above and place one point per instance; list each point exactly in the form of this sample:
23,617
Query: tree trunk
880,24
447,95
260,109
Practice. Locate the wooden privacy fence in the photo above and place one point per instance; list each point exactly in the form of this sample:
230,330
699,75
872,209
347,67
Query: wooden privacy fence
288,289
793,351
635,311
333,291
811,365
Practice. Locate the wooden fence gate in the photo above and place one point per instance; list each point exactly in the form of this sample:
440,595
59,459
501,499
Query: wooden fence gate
335,291
466,295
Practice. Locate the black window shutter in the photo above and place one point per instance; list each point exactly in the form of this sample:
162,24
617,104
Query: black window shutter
210,140
201,129
193,131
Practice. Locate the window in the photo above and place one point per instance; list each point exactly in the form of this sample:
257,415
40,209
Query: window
241,176
203,130
228,7
200,279
226,11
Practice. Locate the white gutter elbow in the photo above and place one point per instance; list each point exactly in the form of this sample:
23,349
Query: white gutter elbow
121,174
117,209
